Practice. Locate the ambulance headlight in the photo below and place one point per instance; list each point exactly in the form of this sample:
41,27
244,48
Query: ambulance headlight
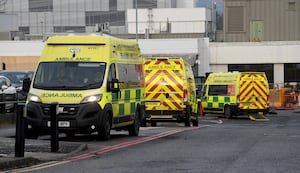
33,98
89,99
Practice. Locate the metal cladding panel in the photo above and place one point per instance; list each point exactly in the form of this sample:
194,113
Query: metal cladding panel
8,23
280,19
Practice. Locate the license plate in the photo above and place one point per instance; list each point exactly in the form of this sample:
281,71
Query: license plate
60,124
153,103
161,116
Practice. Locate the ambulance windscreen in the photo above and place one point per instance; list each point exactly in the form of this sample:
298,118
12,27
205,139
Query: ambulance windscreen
69,75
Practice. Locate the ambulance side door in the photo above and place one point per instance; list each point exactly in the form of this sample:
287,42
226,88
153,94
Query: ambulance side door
114,88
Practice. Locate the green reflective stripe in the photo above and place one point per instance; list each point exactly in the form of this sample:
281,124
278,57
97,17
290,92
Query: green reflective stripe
210,105
227,99
138,94
215,99
127,95
221,105
132,107
114,97
121,109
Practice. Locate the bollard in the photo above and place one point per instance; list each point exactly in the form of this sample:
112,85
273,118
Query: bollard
20,135
54,127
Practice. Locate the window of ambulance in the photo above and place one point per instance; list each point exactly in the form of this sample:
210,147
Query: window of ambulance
130,76
218,90
69,75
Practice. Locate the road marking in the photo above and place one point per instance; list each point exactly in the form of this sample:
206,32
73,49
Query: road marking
38,166
128,143
103,150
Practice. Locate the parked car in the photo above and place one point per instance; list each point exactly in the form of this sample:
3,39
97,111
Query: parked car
16,78
8,95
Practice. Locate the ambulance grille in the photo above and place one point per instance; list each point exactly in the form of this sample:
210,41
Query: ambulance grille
67,110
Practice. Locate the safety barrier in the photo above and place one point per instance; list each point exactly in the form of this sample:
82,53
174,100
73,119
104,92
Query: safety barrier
285,96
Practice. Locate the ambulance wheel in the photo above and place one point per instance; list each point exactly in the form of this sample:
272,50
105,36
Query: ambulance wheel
135,127
31,133
143,119
227,112
70,134
104,127
187,121
153,123
144,123
196,122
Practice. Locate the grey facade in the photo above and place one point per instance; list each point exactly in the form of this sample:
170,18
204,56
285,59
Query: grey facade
37,17
261,20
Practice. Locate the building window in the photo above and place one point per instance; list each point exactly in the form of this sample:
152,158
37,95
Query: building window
291,72
40,5
112,5
115,18
267,68
78,29
235,19
146,3
291,6
24,29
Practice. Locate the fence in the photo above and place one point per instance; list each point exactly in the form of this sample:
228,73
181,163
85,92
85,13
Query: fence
284,96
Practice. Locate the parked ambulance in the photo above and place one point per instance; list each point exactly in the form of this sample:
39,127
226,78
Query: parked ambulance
170,91
235,93
97,81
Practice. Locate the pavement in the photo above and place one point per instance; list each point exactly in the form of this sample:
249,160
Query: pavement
39,151
35,152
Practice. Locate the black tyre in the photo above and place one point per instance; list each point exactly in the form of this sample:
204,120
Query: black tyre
187,121
227,112
134,129
143,119
31,133
153,123
104,127
70,134
196,121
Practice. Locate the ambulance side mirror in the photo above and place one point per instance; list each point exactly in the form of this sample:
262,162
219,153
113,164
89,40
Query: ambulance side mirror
203,91
26,85
114,85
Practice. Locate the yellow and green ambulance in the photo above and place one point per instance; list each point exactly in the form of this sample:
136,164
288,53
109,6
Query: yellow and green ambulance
97,81
170,91
235,93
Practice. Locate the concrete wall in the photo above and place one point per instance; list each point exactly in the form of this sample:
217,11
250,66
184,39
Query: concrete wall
20,55
195,51
9,22
172,20
255,53
277,53
210,57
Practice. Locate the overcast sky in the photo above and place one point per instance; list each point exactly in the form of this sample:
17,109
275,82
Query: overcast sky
207,4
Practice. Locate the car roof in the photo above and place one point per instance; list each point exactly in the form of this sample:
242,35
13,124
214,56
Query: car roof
1,76
26,71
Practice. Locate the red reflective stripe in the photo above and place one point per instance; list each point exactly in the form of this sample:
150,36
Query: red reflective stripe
173,79
185,99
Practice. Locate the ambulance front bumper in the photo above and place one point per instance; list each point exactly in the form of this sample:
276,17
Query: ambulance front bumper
165,115
81,118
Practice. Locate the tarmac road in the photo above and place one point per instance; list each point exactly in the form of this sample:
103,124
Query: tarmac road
218,145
